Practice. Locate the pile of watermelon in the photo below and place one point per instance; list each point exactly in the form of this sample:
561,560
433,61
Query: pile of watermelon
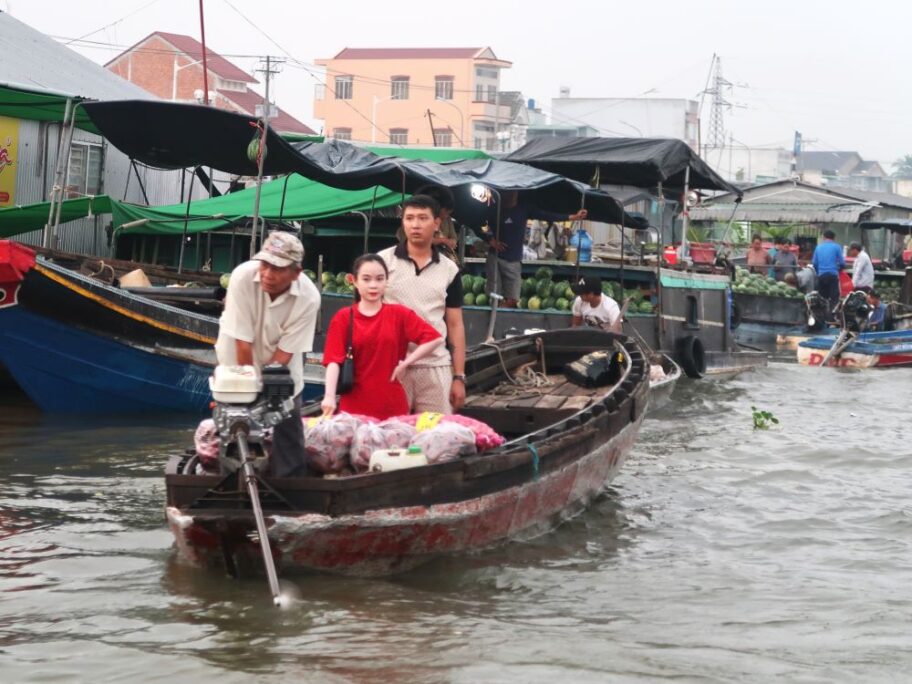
759,284
337,283
889,291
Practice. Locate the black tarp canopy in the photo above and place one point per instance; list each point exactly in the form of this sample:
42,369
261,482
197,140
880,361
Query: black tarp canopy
895,225
174,135
643,162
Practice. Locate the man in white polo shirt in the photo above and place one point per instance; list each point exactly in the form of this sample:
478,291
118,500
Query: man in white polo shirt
593,308
429,284
270,314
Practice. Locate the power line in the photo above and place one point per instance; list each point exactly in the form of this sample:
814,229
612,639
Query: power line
114,23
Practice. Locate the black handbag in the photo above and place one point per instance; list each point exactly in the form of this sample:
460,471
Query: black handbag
347,373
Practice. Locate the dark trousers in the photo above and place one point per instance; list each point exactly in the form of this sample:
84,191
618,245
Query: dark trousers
828,287
288,445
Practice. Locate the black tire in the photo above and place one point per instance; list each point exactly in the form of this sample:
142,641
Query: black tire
691,356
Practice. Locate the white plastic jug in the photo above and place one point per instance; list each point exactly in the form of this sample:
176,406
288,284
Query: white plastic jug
385,460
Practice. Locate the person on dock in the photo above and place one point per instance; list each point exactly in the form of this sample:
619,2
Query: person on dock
270,314
429,284
828,261
862,268
594,308
505,247
380,337
806,279
758,259
785,261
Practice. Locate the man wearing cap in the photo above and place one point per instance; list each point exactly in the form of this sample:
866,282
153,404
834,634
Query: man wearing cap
269,317
593,308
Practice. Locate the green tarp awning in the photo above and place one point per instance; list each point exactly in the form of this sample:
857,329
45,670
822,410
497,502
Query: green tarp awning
25,219
304,200
37,106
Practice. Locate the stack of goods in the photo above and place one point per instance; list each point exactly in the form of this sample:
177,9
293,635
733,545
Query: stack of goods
889,291
759,284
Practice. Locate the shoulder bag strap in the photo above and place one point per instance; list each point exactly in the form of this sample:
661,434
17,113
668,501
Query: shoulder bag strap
351,328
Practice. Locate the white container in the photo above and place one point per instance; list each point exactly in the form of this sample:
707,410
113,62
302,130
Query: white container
385,460
235,384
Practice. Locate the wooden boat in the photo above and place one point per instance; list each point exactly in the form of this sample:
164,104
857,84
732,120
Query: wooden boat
866,350
763,318
660,391
76,344
565,443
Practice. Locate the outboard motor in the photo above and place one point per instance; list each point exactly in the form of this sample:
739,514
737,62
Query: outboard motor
246,404
853,311
818,310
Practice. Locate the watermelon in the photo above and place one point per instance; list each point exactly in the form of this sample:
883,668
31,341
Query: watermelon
528,287
544,273
469,299
548,303
310,274
535,303
341,278
478,285
543,289
467,283
326,277
331,287
223,280
523,302
568,293
645,307
562,304
481,299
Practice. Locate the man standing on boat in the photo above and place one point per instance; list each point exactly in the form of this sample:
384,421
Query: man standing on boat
270,314
429,284
862,268
828,261
506,243
594,308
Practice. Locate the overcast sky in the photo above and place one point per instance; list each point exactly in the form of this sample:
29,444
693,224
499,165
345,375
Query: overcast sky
837,71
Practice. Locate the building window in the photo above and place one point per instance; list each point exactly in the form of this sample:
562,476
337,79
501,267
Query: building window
693,312
344,87
479,93
492,93
443,137
485,73
443,87
399,136
399,88
84,177
342,133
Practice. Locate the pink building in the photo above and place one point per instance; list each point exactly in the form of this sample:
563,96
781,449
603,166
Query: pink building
399,95
169,65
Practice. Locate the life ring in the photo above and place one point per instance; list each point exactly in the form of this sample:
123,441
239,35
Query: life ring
692,356
735,315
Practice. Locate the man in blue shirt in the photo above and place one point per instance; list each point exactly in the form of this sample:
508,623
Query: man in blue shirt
506,251
877,319
828,261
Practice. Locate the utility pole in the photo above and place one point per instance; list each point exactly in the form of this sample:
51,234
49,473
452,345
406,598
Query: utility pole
430,116
716,137
267,72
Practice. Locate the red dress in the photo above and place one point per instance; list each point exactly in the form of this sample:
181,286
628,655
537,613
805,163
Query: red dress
380,342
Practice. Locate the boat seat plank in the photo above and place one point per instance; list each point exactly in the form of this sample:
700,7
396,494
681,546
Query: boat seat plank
550,401
577,403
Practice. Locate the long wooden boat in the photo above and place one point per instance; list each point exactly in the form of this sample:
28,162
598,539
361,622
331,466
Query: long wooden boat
565,443
660,390
76,344
867,350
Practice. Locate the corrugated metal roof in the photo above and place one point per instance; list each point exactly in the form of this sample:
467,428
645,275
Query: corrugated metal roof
775,212
33,60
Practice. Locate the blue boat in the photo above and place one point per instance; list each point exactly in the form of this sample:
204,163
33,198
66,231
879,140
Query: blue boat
74,344
862,350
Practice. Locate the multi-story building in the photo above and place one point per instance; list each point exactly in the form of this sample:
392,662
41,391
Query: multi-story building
414,96
842,170
170,66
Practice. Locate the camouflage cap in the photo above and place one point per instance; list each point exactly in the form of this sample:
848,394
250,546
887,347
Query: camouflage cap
281,249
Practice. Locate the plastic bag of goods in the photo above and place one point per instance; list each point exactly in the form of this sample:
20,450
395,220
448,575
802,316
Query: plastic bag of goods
207,443
485,437
327,442
398,434
446,442
368,438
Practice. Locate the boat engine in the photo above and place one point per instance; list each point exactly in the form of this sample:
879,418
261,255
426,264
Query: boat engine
818,310
248,404
853,311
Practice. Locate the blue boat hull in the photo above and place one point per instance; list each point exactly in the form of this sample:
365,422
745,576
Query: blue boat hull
64,369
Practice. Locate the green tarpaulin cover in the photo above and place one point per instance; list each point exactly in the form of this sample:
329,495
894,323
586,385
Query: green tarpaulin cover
37,106
18,220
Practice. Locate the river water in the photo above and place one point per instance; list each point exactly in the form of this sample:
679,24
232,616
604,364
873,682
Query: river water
720,553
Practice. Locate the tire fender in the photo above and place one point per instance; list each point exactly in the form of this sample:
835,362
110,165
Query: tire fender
691,355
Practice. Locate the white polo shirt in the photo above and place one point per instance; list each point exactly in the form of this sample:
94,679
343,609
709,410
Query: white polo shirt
286,322
601,316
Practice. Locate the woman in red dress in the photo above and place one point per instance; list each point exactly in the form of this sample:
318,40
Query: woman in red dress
380,342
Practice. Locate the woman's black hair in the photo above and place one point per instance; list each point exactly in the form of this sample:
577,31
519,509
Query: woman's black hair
367,259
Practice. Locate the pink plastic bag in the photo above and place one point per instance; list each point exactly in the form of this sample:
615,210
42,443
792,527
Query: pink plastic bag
369,437
327,442
207,443
398,434
485,437
446,442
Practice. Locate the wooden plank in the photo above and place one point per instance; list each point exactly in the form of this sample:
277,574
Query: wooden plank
550,401
523,402
577,403
483,400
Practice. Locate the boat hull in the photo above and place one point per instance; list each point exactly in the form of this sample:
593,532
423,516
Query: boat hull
869,350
